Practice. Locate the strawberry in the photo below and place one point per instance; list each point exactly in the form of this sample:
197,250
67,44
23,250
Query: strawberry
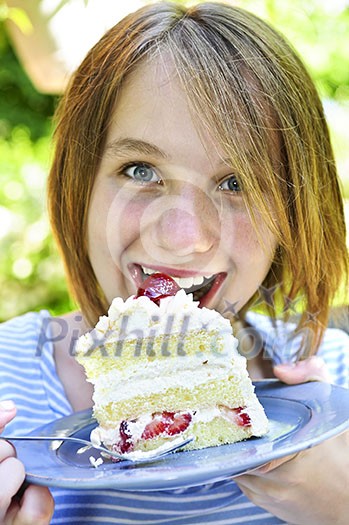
157,286
125,444
168,416
153,429
242,418
169,423
237,415
180,424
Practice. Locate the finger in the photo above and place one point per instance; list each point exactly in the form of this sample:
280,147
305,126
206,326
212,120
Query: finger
36,507
311,369
6,450
253,488
11,513
12,476
272,465
7,412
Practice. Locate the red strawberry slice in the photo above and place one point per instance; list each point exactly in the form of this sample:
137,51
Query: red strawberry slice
153,429
180,424
157,286
237,415
169,423
243,418
126,443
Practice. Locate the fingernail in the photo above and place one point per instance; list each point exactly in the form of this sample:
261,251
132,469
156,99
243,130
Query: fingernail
7,405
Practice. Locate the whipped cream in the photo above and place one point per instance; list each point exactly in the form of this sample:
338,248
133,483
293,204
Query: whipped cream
160,375
139,318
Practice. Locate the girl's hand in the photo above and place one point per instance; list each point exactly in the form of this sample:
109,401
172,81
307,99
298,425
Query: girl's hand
36,504
311,369
311,487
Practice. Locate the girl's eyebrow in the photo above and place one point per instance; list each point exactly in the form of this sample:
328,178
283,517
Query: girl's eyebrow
125,146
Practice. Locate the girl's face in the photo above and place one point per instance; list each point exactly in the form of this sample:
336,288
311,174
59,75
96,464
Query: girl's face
165,200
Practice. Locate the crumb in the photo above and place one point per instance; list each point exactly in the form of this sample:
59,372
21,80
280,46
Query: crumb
95,462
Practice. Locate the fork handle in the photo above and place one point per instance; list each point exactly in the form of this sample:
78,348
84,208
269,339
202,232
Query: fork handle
43,438
80,441
47,438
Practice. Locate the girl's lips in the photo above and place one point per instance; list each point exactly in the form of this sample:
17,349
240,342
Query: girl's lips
138,277
173,272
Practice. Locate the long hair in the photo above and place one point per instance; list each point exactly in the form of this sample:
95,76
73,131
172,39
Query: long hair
245,82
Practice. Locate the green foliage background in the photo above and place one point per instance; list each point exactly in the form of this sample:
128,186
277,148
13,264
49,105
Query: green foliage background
31,275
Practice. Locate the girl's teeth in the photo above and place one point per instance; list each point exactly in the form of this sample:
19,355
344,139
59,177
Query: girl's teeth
148,271
183,282
188,282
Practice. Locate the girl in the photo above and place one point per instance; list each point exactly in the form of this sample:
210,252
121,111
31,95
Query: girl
192,142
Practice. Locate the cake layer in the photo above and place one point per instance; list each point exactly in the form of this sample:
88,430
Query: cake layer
209,427
125,356
154,380
219,431
112,377
226,392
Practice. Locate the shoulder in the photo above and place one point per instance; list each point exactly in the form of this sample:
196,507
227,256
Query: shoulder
23,331
276,328
23,323
27,318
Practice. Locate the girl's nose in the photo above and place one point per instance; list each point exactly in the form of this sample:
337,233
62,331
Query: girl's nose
188,225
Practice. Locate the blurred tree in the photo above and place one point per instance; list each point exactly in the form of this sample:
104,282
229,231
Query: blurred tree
319,30
31,276
20,102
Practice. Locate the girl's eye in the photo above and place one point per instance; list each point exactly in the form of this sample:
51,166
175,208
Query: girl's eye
230,184
141,173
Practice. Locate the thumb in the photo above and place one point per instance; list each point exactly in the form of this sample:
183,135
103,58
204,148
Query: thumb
311,369
7,412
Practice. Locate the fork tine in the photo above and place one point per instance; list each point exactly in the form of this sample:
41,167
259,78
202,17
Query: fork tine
153,455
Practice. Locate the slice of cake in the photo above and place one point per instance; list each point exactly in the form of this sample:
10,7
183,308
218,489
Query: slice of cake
162,367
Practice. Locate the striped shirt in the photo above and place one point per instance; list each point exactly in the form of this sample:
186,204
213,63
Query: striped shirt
27,367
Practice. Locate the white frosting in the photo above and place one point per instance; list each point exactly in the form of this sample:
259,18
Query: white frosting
160,375
138,318
141,455
109,436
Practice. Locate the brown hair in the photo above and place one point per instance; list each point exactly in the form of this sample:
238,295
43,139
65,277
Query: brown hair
239,74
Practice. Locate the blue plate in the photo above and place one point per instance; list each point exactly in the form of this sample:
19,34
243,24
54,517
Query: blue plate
300,417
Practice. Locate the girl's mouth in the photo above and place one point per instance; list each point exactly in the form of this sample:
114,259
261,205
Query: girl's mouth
203,287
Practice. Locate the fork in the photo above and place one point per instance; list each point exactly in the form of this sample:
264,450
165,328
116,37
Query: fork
134,457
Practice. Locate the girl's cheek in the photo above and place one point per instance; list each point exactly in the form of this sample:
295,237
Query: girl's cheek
237,233
125,220
131,223
243,237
